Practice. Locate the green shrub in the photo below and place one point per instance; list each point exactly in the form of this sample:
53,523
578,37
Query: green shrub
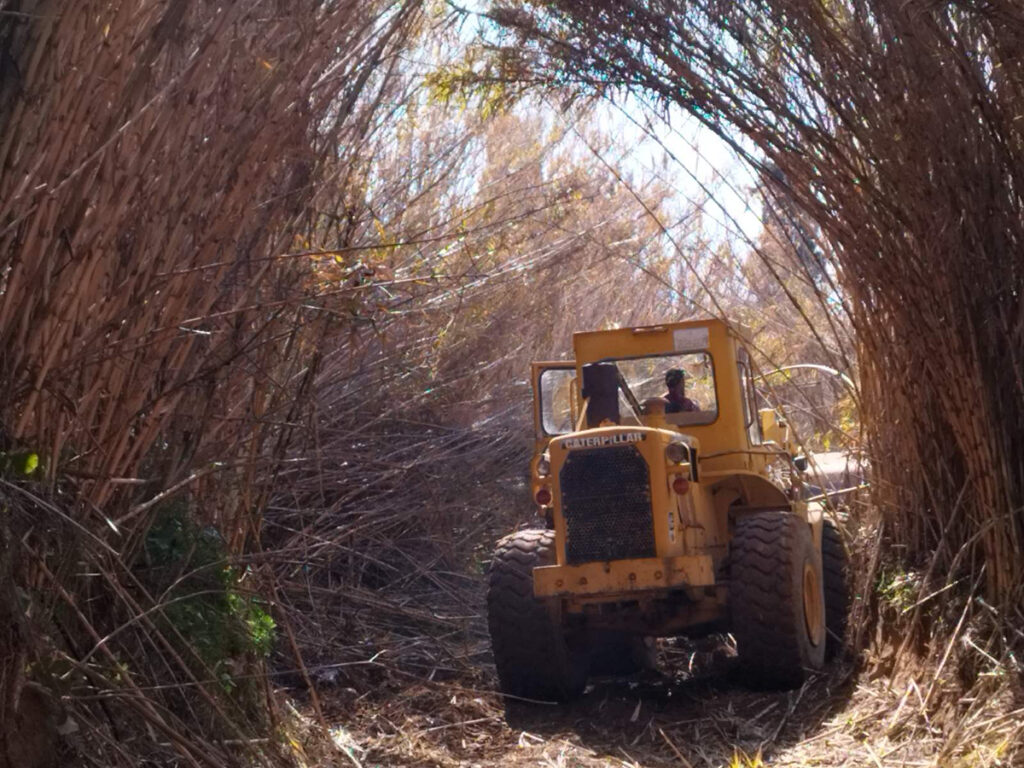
202,600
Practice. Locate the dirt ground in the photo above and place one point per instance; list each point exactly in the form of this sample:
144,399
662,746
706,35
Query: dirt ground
654,720
417,688
695,712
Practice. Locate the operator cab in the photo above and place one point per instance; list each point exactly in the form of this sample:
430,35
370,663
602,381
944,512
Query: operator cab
640,389
640,379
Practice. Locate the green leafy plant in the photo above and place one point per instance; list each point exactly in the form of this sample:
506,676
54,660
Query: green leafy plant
202,598
898,588
19,463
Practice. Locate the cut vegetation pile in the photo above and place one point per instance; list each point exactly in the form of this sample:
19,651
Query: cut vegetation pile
421,693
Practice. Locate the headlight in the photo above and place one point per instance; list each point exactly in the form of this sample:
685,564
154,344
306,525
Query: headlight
677,453
543,466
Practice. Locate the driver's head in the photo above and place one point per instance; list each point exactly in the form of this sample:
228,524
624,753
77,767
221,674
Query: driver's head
674,377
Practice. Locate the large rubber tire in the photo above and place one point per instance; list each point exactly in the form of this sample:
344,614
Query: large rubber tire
533,655
619,653
837,588
778,606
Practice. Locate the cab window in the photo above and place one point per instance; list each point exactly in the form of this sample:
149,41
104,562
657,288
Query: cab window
750,420
555,388
646,378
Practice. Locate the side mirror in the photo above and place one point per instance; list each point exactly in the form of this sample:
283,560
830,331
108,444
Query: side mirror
800,462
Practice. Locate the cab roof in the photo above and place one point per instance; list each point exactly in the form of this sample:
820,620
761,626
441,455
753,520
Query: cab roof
662,339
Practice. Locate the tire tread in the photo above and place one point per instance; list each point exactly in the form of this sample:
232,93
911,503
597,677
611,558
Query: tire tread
767,610
531,654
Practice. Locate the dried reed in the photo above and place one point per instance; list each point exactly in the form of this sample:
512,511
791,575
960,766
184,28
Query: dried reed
890,126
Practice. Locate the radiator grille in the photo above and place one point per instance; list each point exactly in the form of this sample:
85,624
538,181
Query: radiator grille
606,502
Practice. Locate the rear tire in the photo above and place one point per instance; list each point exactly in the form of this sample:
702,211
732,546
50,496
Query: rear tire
533,655
778,605
837,590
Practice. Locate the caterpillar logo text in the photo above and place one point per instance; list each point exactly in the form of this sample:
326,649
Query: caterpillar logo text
598,441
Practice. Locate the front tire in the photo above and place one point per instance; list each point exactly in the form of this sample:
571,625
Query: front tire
778,601
533,655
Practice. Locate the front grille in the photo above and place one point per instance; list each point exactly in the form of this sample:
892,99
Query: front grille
606,502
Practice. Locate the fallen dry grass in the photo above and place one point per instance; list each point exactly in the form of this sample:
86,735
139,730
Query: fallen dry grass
407,681
703,717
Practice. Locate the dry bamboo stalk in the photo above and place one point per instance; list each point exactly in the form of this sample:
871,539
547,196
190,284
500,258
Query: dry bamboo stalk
922,238
108,186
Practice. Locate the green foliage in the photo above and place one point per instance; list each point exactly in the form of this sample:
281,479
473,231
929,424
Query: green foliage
898,589
203,600
259,625
19,463
491,80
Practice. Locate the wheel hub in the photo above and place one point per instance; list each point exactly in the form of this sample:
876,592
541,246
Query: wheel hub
813,613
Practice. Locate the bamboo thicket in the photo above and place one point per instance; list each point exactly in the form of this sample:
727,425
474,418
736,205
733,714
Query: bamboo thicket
893,127
158,159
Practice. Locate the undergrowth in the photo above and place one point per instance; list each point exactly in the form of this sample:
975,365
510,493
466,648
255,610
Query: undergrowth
206,603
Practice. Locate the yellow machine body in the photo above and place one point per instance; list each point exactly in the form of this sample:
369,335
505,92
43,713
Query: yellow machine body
728,461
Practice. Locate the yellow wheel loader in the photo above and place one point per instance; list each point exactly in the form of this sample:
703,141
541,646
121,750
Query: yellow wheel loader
664,514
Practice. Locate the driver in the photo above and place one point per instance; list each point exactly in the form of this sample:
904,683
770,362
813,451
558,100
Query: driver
677,401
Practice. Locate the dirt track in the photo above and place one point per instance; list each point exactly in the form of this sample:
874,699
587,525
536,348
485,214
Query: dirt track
666,719
425,697
655,722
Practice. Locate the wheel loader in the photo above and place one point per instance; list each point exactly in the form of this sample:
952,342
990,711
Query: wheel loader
658,520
